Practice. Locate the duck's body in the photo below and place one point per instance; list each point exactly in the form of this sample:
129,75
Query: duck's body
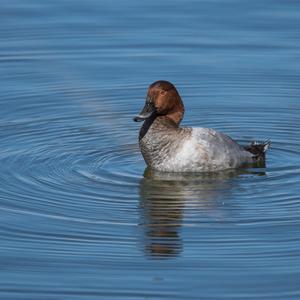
167,147
171,149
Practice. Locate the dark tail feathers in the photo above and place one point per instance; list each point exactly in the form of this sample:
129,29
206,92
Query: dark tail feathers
258,149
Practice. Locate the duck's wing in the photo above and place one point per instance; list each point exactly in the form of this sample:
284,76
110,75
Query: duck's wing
220,148
215,140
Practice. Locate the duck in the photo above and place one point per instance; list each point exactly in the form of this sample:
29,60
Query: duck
167,147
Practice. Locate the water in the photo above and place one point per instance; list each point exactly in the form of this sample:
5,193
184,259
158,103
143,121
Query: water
81,218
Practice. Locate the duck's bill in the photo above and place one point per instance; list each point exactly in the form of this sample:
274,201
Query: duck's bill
146,113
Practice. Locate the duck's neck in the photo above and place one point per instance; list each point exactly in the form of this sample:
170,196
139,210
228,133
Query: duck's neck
159,139
176,116
158,124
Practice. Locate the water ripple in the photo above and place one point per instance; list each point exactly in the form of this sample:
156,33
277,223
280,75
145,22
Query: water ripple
81,216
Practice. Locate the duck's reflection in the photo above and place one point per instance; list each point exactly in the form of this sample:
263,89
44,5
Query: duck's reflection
165,197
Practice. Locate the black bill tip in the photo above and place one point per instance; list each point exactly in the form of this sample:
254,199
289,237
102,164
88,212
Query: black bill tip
148,111
138,119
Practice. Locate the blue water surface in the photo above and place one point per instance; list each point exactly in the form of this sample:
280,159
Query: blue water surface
81,218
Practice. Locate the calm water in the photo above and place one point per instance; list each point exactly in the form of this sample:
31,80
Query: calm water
81,218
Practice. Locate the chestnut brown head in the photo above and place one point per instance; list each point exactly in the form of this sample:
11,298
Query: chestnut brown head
162,100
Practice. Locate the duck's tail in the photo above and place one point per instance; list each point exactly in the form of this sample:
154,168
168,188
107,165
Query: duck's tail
258,149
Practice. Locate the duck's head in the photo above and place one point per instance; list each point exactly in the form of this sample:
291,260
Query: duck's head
162,100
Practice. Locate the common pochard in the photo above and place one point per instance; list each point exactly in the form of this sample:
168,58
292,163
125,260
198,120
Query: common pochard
167,147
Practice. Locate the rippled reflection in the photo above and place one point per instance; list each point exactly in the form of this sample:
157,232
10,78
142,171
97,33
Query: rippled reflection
165,198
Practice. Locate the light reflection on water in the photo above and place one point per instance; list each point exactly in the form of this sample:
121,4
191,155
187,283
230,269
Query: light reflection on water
167,197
